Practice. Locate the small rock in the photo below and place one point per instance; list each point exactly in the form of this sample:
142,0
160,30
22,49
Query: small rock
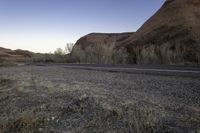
52,118
40,129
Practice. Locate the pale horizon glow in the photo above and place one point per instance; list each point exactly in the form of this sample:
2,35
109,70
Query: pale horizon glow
36,42
44,25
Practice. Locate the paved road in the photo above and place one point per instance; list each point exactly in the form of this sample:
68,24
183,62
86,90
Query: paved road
193,71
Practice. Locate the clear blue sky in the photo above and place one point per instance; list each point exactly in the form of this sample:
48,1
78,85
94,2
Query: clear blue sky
44,25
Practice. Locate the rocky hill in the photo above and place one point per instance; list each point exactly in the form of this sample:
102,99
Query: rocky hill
170,36
25,56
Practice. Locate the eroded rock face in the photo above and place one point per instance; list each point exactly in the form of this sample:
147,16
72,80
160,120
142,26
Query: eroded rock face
170,36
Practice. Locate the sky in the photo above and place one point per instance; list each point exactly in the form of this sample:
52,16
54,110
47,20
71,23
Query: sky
44,25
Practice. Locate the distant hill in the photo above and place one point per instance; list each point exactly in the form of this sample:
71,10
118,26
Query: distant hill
14,55
4,52
8,55
170,36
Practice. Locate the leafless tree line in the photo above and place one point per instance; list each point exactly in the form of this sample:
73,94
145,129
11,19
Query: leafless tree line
100,54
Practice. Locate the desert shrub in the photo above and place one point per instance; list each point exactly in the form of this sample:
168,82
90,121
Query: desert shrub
5,82
1,60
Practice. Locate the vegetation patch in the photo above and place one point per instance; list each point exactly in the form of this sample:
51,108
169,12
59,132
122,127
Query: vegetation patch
5,82
28,121
89,115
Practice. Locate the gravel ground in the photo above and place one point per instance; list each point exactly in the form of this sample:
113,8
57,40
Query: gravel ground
58,99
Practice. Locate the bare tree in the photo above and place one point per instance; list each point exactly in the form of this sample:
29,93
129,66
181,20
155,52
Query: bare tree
69,47
59,52
101,53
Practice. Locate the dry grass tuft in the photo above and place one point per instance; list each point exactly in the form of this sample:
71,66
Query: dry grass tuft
25,122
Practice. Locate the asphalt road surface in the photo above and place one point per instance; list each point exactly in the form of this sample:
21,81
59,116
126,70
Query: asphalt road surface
193,71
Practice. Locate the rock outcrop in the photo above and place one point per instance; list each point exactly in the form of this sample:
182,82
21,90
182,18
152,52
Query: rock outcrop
170,36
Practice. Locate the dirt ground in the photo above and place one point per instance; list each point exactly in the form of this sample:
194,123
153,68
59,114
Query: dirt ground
62,100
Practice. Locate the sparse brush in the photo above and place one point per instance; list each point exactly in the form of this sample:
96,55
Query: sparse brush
4,82
25,122
125,118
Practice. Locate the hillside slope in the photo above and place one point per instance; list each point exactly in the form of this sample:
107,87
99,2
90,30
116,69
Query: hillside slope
14,55
170,36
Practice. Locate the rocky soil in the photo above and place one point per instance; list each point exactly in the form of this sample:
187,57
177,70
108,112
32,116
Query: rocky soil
58,99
